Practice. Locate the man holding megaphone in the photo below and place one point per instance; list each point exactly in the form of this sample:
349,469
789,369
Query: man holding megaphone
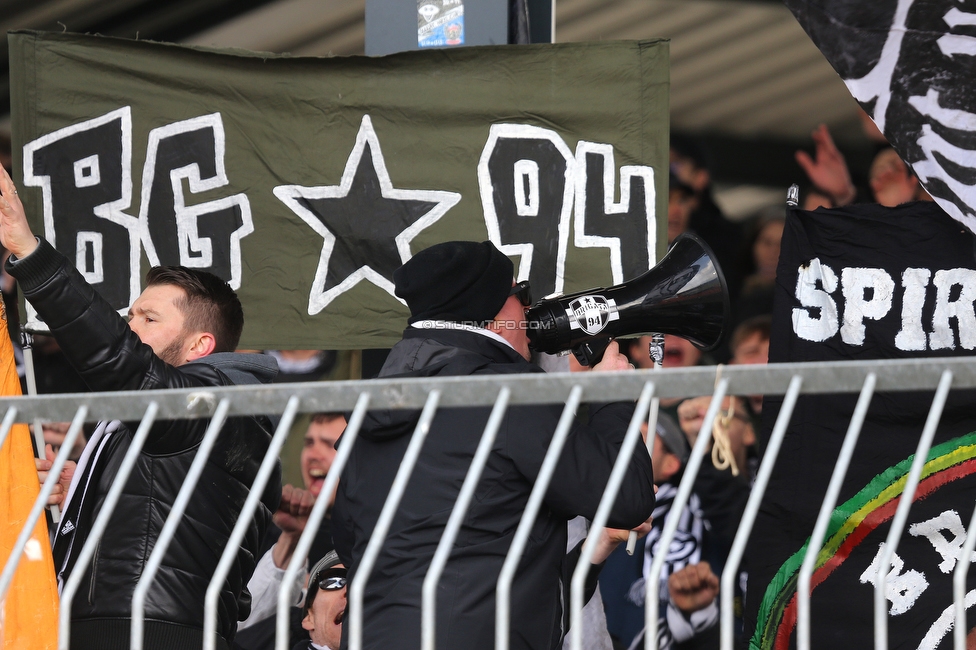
468,317
685,295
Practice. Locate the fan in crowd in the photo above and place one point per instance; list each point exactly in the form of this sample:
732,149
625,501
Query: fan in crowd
687,587
319,450
457,294
468,318
324,607
181,332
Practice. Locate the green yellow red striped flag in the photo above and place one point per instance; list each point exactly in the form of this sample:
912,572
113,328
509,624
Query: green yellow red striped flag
849,525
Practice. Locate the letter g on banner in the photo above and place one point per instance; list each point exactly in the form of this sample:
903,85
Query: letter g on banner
207,235
84,172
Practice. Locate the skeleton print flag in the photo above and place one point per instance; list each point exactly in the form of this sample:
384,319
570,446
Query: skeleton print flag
911,64
853,284
304,182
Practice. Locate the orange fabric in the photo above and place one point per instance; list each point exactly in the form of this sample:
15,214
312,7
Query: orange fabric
29,617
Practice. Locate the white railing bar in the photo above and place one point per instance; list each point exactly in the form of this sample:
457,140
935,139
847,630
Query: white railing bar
73,582
533,388
827,509
406,395
503,590
620,467
357,588
172,523
37,428
7,425
315,517
649,443
653,580
652,420
41,501
727,590
232,549
959,576
444,547
901,514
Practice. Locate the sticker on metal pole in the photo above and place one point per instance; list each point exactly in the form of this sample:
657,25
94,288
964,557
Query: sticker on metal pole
440,23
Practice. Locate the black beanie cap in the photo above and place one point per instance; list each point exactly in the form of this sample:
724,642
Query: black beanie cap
457,281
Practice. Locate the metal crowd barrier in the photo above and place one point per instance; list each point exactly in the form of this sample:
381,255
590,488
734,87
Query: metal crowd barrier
499,392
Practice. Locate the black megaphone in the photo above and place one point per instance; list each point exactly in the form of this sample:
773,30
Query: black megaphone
684,295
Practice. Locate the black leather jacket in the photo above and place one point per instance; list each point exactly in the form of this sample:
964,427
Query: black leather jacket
109,356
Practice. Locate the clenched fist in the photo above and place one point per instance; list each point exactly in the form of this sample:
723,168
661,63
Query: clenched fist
693,587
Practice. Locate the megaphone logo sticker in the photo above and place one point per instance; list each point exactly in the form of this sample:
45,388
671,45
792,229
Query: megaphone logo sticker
591,313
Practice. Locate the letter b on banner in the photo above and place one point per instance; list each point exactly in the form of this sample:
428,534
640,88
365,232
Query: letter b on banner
85,175
84,172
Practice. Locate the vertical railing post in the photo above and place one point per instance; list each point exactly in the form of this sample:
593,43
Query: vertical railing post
826,509
652,581
315,517
727,590
620,467
7,425
73,582
503,592
959,575
172,523
443,552
357,588
229,556
901,514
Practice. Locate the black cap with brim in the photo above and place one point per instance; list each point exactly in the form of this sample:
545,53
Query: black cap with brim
330,560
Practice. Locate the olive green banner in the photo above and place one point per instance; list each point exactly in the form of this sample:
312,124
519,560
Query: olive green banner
304,182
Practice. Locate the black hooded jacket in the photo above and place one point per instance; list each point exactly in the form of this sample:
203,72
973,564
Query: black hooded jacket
466,594
109,356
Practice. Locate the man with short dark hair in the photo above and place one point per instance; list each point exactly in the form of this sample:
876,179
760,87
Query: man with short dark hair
181,331
207,303
319,449
468,318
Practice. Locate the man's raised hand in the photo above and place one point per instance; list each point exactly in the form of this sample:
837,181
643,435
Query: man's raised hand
15,233
828,171
613,359
693,587
293,511
44,466
291,517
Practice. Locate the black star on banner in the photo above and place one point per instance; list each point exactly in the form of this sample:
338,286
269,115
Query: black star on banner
367,225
